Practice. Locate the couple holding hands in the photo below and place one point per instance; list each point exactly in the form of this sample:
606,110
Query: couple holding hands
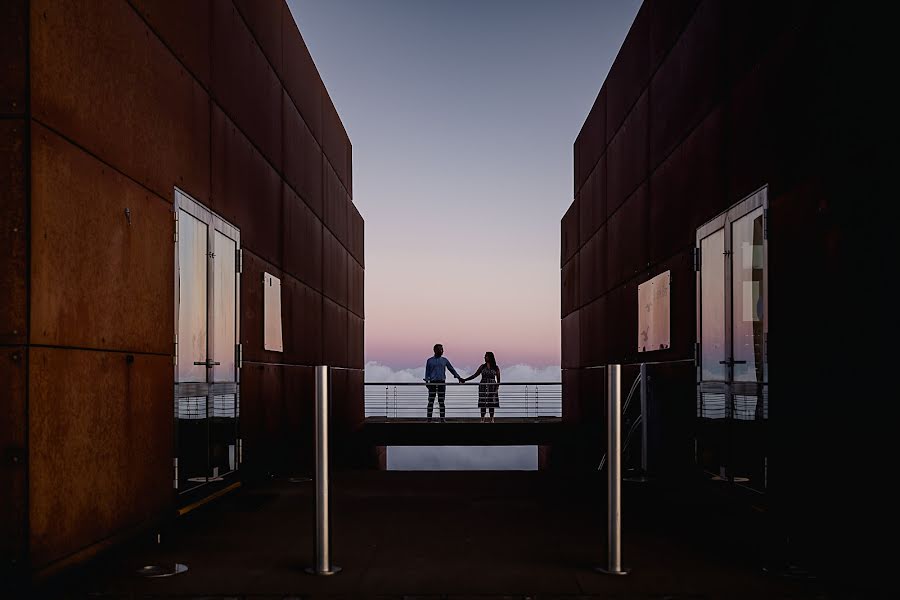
435,379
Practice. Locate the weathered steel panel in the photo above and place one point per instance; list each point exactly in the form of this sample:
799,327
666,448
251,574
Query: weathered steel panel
299,387
627,242
264,19
688,82
100,446
13,238
591,141
302,241
335,269
668,19
120,93
303,168
571,340
594,333
101,254
356,285
244,83
246,190
627,157
593,201
356,341
629,73
184,27
570,285
13,480
688,189
357,232
301,78
303,323
336,207
334,332
569,236
262,419
13,56
592,268
335,142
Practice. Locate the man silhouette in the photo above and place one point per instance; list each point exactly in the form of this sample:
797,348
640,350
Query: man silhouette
435,376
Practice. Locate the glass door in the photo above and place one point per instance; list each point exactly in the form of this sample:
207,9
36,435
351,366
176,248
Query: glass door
207,364
732,367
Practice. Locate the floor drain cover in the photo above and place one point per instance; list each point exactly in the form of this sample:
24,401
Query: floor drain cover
162,570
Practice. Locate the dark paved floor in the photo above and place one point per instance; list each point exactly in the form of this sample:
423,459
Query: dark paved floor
483,534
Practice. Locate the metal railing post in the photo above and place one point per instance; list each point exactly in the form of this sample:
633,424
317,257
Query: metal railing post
614,470
322,555
644,418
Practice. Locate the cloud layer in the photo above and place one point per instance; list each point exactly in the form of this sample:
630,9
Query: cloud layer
462,458
379,373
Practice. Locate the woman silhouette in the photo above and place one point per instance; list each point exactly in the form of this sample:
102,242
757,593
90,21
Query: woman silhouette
488,395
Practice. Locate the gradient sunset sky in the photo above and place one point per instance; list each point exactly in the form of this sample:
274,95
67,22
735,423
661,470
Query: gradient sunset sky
462,115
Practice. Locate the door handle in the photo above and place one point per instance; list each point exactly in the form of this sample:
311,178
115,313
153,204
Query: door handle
732,362
208,363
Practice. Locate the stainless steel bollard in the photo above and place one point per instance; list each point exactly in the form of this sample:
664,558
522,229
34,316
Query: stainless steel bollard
323,565
614,470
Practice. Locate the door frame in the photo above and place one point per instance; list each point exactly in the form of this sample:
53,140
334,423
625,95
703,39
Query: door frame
757,199
209,388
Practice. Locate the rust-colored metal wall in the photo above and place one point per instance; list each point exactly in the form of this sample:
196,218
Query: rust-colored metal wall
707,102
108,105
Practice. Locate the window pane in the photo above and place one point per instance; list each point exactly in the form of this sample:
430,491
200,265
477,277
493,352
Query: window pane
747,292
224,280
712,306
192,283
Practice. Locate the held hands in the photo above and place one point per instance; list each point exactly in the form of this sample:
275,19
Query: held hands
461,380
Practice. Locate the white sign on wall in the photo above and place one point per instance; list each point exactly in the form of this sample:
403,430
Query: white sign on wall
653,313
272,339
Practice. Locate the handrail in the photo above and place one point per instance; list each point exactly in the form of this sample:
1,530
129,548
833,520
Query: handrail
627,441
409,383
411,401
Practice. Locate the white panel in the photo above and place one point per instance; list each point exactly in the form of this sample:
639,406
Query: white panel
272,339
653,313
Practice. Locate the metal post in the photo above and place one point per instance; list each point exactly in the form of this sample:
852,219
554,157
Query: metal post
614,470
644,418
322,557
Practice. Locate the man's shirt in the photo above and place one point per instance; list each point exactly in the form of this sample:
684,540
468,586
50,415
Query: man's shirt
434,369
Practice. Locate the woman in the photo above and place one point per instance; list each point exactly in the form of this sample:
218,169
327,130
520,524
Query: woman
488,396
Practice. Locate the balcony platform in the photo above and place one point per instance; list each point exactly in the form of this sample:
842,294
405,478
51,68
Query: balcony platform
461,431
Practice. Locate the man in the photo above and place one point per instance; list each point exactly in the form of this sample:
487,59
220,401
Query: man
435,376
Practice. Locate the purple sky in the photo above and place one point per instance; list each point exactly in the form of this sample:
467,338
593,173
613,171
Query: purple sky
462,116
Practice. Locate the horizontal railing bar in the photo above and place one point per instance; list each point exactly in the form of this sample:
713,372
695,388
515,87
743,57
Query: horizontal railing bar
454,383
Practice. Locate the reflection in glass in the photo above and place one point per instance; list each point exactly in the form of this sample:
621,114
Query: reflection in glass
712,306
223,434
712,405
224,281
192,259
192,438
747,296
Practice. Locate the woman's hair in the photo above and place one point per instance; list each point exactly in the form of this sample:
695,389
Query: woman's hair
491,360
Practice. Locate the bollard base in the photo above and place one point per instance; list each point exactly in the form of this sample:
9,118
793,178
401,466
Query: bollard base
313,571
606,571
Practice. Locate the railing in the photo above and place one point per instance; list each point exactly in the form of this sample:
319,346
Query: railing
641,382
517,400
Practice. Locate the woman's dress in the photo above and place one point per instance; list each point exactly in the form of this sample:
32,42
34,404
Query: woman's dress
488,394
